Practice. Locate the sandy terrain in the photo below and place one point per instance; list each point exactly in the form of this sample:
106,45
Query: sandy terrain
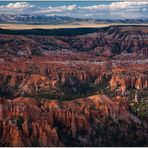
25,26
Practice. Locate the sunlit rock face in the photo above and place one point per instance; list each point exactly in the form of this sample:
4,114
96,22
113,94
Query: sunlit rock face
35,78
129,78
26,122
84,90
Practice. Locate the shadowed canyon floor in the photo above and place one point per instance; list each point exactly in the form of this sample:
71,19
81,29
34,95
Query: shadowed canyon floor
74,89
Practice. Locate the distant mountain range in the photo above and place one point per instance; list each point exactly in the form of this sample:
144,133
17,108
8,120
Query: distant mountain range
53,20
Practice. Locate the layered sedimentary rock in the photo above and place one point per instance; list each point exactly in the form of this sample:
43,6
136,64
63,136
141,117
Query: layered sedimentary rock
129,77
26,122
38,77
42,78
108,42
35,70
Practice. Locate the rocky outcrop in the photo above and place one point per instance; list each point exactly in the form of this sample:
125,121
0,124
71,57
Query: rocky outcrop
106,42
26,122
38,77
34,78
34,68
129,78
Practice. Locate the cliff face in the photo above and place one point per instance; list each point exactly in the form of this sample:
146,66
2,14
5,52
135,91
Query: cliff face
108,42
115,40
111,62
26,122
129,80
40,78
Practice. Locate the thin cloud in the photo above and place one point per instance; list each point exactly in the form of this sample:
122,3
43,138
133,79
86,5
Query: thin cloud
117,6
17,5
121,10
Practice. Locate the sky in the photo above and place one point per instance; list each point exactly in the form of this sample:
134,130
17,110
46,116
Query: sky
79,9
